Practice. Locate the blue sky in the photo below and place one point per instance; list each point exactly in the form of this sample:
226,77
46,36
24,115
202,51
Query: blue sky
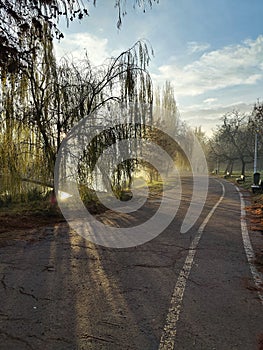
211,50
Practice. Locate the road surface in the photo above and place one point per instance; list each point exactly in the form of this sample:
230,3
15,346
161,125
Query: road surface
179,291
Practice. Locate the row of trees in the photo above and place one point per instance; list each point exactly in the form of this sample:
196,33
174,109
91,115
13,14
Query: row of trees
43,100
233,143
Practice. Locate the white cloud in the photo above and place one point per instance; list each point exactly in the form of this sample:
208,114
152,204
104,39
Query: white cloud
209,118
195,47
75,45
210,101
230,66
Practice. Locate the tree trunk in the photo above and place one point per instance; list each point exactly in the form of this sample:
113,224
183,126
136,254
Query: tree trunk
243,167
229,167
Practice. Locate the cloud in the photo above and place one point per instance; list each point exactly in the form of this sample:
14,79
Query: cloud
195,47
227,67
75,45
209,118
210,100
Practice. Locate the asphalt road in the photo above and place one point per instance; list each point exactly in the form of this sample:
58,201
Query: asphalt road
178,291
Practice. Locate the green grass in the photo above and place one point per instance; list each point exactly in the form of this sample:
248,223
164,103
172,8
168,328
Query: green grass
40,208
246,185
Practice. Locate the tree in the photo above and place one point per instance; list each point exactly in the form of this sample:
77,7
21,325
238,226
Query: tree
256,122
41,100
41,104
168,127
23,19
201,136
233,141
258,112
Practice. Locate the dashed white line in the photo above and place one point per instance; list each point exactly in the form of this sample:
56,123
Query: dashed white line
169,332
248,248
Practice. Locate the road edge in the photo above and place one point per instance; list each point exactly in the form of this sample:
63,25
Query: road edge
257,276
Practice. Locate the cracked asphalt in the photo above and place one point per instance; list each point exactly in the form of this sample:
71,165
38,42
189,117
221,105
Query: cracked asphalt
59,291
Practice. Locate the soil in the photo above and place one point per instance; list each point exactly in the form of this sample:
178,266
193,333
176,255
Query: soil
255,216
24,224
15,226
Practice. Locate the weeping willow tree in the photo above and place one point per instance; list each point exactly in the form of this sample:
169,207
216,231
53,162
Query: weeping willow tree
123,80
113,170
42,102
21,158
20,146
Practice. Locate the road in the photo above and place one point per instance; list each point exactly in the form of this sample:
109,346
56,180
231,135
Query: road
179,291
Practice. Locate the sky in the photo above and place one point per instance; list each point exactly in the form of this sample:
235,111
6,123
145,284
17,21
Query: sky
210,50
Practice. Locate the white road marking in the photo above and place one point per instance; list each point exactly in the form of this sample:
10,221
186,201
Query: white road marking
248,248
169,332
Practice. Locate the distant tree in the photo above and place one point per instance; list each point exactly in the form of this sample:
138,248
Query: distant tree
21,20
256,129
169,127
256,121
201,136
220,151
233,141
258,113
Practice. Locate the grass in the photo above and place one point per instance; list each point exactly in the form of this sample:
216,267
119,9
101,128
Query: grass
42,206
246,185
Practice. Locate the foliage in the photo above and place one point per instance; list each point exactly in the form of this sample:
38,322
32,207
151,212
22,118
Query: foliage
234,139
24,23
166,116
41,104
41,100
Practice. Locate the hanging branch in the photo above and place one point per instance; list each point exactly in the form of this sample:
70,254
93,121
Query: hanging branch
20,19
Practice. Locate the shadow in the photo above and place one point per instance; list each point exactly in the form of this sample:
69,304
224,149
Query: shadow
63,292
37,294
